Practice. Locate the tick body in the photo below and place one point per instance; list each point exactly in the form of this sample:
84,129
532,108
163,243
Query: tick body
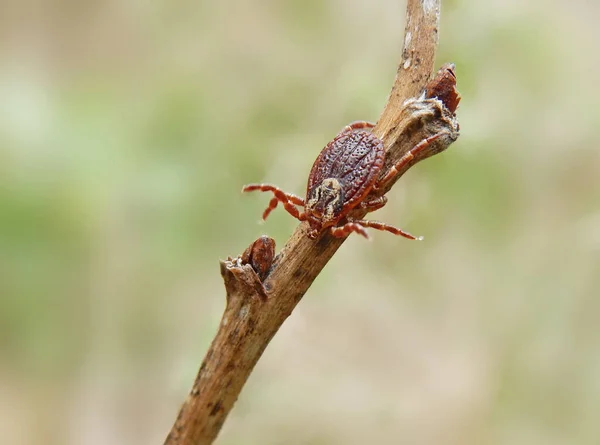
344,173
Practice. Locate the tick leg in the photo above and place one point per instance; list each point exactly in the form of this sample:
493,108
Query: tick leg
383,226
374,204
272,206
409,156
348,228
357,125
287,199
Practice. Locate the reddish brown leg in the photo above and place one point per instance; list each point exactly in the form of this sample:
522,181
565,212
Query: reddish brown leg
395,169
383,226
287,199
374,204
357,125
348,228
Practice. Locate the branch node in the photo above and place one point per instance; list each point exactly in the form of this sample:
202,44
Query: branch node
250,269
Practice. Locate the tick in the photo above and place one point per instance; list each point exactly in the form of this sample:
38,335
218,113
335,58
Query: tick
345,172
350,167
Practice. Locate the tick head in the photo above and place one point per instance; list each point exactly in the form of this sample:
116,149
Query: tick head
324,205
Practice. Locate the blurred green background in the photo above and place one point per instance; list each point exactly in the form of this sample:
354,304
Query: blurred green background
127,130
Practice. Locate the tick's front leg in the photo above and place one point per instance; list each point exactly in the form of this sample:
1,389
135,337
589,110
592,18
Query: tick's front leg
348,228
287,199
383,226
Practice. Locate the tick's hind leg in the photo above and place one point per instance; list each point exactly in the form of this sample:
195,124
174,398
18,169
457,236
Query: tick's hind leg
409,156
287,199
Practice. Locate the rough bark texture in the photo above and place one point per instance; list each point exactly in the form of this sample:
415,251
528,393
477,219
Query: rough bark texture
250,320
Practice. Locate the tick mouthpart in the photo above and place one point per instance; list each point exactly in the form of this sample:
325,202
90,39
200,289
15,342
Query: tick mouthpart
312,234
315,224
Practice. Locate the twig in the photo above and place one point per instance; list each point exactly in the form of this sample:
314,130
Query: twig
251,320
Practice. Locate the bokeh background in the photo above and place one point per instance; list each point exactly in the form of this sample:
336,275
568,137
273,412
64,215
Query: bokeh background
127,130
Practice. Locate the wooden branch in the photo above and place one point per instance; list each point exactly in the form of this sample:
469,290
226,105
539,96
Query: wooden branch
251,320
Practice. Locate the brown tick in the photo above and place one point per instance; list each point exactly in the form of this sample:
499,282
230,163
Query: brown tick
349,168
345,172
